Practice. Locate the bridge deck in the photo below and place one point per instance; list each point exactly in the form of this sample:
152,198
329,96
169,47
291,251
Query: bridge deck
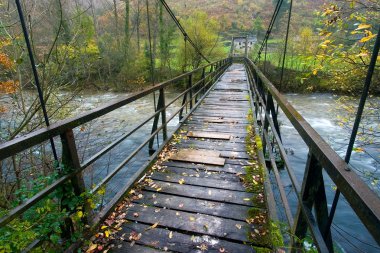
196,199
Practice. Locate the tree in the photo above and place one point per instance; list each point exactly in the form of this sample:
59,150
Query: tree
348,34
126,28
204,32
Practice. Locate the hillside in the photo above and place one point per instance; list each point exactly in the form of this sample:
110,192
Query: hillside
238,16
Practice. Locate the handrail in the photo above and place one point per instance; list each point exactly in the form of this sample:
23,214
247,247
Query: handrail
21,143
364,202
64,129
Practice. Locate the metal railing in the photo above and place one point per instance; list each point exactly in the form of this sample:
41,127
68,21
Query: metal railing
364,202
194,92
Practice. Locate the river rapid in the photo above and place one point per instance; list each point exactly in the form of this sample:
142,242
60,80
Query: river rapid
321,111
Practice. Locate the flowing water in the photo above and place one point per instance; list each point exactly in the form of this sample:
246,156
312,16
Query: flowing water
320,110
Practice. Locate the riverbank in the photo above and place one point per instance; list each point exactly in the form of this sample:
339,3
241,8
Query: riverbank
295,81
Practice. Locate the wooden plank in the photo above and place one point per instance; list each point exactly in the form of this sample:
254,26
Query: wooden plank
207,182
227,168
220,146
241,162
234,155
228,129
198,157
190,172
217,126
208,135
233,133
223,210
123,246
180,242
199,152
191,222
199,192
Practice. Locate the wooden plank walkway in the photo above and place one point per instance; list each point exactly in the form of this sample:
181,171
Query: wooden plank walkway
197,201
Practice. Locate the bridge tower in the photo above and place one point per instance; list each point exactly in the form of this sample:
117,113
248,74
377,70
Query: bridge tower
242,43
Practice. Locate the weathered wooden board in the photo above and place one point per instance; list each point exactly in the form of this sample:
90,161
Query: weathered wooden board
123,247
223,210
190,172
200,192
191,222
198,156
220,146
180,242
208,135
207,182
199,152
227,168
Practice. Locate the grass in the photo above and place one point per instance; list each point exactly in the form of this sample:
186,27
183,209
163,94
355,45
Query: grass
266,234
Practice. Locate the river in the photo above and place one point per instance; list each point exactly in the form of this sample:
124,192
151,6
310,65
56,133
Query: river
320,110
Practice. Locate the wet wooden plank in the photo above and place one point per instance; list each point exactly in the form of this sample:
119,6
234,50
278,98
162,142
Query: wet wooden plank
198,159
191,222
123,246
228,131
180,242
199,152
227,168
208,135
221,146
193,172
223,210
200,192
207,182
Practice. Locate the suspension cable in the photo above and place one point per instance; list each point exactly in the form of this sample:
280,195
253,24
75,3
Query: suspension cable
180,27
184,69
35,74
270,27
286,45
152,74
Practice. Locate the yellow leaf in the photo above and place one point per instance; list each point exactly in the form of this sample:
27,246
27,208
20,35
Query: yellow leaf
107,233
315,72
365,39
153,226
104,227
91,248
363,54
247,199
181,181
80,214
171,234
363,26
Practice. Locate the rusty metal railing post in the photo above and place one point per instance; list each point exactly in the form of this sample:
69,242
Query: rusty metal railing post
71,163
160,106
203,79
313,194
190,86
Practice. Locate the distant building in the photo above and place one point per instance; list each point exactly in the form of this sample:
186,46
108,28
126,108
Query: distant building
239,43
